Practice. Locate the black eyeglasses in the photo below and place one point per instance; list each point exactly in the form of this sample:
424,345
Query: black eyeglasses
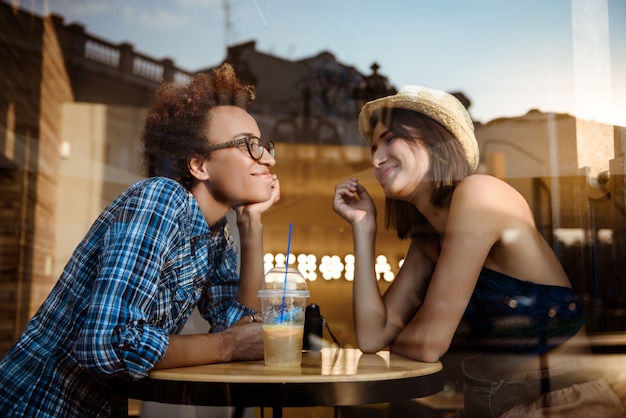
255,145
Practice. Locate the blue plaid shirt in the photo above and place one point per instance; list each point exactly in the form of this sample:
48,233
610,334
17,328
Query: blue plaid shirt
146,262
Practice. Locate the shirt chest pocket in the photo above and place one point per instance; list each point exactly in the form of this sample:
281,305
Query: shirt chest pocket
176,297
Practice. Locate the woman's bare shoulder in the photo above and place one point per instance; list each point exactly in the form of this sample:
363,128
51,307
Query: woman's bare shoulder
483,202
483,189
484,183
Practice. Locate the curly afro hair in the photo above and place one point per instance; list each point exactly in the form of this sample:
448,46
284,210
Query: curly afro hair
174,131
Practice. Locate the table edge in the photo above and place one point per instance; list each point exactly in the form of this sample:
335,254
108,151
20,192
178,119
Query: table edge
178,374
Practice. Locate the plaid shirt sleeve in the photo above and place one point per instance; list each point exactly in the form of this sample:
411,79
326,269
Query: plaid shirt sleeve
117,336
219,304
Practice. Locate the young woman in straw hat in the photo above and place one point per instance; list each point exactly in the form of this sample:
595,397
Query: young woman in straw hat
475,258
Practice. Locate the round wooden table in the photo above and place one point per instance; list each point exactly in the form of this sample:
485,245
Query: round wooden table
332,377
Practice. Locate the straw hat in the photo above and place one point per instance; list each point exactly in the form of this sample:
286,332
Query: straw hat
438,105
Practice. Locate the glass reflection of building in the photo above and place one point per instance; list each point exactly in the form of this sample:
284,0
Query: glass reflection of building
72,106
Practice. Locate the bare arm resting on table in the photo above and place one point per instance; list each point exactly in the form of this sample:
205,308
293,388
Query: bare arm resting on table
378,319
242,341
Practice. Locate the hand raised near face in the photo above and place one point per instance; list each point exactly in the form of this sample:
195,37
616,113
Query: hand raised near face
254,210
353,203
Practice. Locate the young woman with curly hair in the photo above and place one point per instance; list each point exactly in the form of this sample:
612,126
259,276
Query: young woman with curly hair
160,249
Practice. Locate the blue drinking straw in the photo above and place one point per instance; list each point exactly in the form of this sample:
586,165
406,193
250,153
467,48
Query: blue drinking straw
282,308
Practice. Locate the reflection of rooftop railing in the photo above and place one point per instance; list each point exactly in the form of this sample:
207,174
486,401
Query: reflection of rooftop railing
102,53
81,45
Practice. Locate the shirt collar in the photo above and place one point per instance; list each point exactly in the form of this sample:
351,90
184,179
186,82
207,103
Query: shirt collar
199,226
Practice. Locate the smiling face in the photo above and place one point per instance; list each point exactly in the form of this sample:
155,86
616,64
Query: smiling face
401,165
233,177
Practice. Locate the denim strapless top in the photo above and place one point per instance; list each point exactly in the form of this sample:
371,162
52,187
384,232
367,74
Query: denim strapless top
509,315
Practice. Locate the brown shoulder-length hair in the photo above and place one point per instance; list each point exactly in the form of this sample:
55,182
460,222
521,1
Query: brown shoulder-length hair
448,166
175,129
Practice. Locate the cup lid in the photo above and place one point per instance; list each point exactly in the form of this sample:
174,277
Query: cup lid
292,293
290,278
